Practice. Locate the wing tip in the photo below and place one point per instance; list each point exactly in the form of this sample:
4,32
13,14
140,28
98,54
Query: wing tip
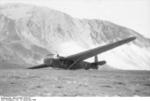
133,38
129,39
38,66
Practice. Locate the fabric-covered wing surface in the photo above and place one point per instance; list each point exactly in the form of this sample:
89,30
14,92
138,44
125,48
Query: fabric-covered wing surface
92,52
38,66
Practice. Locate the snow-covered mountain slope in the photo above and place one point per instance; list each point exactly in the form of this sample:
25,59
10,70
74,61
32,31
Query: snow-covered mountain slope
28,33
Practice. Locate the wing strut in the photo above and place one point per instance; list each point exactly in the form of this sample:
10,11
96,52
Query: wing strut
74,63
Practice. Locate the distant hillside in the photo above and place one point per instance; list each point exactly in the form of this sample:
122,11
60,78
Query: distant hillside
28,33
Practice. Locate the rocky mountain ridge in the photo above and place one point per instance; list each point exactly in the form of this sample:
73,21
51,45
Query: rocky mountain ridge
28,33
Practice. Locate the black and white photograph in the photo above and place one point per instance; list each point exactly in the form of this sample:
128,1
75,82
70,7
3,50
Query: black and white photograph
74,48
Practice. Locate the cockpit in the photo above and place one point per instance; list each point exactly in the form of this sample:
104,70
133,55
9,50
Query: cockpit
51,58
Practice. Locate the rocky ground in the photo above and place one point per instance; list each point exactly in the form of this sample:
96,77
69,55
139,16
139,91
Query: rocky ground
51,82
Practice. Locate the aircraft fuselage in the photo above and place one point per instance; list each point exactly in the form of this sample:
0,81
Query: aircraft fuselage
66,64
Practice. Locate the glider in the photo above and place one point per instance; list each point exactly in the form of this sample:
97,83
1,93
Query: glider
76,61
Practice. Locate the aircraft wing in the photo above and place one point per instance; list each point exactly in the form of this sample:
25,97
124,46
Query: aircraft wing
38,66
92,52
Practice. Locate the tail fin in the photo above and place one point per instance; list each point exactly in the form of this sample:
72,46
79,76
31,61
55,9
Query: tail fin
95,61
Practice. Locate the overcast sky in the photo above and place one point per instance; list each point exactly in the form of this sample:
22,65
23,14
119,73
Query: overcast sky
134,14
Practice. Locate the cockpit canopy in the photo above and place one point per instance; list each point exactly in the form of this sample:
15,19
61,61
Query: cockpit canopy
52,56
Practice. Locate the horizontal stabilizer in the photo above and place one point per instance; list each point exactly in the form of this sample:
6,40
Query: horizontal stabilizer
99,63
